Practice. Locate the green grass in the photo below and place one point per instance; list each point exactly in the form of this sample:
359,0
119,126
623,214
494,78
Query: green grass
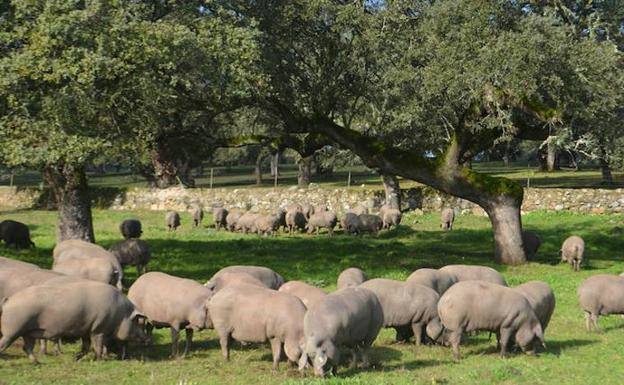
573,356
233,177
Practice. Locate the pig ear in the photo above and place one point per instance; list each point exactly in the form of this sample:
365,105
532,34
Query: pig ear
303,361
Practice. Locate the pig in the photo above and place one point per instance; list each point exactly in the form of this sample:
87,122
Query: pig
350,318
369,223
268,277
409,308
307,210
267,224
572,251
324,219
87,260
132,252
447,218
131,228
320,208
391,217
232,278
247,313
281,215
359,210
541,298
439,281
92,311
172,220
173,302
15,234
198,216
351,277
246,222
308,294
15,264
220,217
478,305
601,294
232,219
474,272
295,220
531,242
350,223
13,280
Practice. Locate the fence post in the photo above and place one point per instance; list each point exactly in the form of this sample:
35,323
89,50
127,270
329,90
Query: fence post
211,176
275,177
11,181
349,180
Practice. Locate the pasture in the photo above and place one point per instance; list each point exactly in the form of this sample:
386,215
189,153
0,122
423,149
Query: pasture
573,356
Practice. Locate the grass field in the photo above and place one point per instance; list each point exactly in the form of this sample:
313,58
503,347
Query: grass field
573,356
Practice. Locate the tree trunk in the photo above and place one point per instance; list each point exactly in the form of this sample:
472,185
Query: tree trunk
258,168
275,164
507,229
393,191
605,169
184,172
305,171
69,186
501,198
165,171
552,158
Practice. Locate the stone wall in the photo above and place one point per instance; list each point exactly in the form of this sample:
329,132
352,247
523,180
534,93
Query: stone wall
595,201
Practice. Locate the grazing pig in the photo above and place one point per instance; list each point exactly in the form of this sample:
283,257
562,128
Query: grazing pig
541,298
390,217
246,223
268,277
351,277
172,302
92,311
308,294
15,234
294,207
572,251
369,223
350,223
198,216
531,242
131,228
307,210
15,264
320,208
267,224
409,308
132,252
220,217
295,220
87,260
359,210
439,281
231,220
350,318
601,294
447,218
324,219
172,220
474,273
478,305
15,279
281,215
230,279
248,313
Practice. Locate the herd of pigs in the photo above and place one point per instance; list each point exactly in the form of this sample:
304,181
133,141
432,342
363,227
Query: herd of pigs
82,298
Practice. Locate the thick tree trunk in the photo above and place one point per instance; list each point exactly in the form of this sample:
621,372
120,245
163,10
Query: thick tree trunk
69,185
305,172
501,198
605,169
393,191
275,164
258,168
165,171
552,158
184,172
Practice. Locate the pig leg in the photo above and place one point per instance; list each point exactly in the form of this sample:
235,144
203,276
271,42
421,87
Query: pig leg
455,339
588,321
417,329
43,347
86,346
594,319
353,363
29,346
189,340
276,349
98,345
224,341
57,347
175,337
505,338
363,350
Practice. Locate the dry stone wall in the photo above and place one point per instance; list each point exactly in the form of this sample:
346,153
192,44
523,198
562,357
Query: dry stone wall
595,201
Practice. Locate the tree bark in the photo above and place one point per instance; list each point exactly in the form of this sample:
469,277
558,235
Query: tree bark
165,171
258,168
501,198
184,172
305,171
605,169
552,158
275,164
70,189
393,191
